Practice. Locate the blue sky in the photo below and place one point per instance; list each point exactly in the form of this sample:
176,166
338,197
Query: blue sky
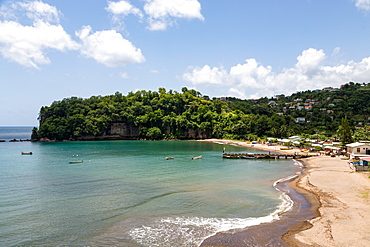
50,50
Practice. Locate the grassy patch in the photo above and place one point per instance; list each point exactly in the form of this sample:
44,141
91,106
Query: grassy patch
365,194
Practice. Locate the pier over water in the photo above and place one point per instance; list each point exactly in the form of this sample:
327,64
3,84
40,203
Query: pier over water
266,156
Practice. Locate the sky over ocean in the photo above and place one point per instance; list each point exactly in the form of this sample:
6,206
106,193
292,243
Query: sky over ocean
50,50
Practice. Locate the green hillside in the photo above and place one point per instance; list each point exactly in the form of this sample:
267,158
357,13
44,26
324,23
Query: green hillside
188,114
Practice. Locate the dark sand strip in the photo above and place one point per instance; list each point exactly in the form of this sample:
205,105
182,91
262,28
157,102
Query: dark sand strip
276,233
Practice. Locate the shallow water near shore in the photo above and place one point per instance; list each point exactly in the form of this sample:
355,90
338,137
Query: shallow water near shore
125,193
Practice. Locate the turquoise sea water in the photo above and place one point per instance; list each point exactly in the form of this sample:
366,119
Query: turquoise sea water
126,193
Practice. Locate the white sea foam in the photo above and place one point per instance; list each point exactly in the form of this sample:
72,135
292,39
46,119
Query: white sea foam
191,231
219,143
298,163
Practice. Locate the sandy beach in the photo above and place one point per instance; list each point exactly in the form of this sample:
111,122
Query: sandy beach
339,196
344,212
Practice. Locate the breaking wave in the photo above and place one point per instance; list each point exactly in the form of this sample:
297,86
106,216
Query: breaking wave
192,231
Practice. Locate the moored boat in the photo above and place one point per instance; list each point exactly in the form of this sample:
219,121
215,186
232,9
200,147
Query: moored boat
76,161
169,158
26,153
196,157
249,157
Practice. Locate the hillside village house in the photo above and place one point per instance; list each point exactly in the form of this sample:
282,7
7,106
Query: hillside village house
358,149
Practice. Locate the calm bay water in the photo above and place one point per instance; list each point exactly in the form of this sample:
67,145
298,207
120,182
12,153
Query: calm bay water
126,193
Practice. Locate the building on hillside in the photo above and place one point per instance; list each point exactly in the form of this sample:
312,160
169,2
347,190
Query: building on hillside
327,89
300,120
358,149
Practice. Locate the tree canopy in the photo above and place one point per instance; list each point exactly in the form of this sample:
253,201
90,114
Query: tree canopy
170,114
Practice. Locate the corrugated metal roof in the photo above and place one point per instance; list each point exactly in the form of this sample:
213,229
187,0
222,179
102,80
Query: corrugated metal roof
356,144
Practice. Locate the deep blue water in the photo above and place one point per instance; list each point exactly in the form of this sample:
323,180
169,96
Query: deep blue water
10,133
125,193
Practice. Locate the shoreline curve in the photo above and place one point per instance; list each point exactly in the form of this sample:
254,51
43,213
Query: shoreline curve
337,196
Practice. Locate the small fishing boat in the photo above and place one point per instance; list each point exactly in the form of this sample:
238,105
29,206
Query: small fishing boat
169,158
248,157
26,153
76,161
196,157
286,148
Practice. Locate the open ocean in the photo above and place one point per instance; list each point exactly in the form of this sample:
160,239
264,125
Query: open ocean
125,193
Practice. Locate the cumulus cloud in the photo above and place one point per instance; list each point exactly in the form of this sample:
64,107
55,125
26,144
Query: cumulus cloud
162,12
29,44
252,79
39,11
207,75
310,60
363,4
121,9
108,47
26,45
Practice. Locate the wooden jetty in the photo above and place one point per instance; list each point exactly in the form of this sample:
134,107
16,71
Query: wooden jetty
266,156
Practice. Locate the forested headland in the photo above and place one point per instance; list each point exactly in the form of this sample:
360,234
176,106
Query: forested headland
188,114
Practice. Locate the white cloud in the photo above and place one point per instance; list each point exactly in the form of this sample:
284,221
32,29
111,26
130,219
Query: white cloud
207,75
26,45
251,79
162,12
310,60
363,4
108,47
123,8
124,75
120,10
39,11
336,51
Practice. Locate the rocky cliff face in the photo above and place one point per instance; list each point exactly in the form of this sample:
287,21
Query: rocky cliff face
123,131
196,134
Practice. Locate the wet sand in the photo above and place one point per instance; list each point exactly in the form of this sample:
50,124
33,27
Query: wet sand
331,208
344,212
268,234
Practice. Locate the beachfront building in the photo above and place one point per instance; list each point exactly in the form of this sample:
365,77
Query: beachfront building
358,149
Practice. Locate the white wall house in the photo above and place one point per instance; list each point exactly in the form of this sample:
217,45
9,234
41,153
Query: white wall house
358,149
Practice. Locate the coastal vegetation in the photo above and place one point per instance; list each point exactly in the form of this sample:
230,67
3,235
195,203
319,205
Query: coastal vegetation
326,113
